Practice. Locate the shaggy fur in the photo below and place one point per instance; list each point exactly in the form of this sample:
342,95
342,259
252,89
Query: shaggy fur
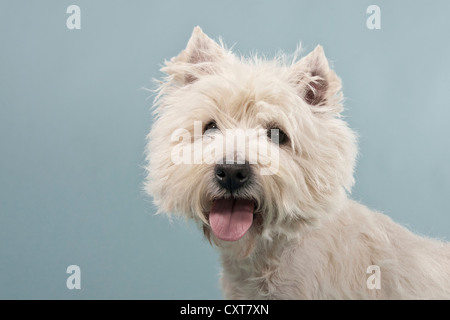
308,239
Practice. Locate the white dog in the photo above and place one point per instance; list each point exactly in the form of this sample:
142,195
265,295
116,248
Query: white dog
276,202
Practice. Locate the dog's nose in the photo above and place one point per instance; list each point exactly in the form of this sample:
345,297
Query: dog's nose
232,176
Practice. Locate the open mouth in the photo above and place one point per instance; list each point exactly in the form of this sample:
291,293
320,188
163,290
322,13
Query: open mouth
230,218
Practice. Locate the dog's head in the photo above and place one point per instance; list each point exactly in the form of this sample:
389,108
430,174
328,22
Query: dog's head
248,147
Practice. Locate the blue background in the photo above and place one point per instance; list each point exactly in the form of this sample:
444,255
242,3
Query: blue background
73,120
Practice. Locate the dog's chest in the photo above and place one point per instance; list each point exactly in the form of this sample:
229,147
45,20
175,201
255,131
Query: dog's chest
267,274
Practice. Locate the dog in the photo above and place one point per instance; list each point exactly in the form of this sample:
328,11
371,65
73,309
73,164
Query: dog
276,203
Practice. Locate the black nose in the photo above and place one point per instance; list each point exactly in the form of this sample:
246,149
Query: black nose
232,176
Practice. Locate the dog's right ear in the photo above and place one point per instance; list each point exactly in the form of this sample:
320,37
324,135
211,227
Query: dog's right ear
196,60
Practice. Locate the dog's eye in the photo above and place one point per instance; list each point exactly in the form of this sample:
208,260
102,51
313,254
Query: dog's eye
210,126
277,135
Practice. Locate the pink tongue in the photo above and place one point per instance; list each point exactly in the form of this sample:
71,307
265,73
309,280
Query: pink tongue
231,218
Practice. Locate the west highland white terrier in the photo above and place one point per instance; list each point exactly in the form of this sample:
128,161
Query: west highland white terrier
256,152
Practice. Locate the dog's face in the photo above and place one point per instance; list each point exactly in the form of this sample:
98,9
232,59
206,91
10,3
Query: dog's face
248,147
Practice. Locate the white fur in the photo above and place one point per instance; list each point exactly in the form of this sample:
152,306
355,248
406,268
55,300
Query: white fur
308,240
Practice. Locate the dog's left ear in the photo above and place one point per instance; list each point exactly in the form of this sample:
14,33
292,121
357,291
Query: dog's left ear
196,60
315,82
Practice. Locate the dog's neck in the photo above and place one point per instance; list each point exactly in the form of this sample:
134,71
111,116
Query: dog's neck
243,257
242,264
243,254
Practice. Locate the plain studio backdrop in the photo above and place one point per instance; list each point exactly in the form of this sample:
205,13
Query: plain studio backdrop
73,121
